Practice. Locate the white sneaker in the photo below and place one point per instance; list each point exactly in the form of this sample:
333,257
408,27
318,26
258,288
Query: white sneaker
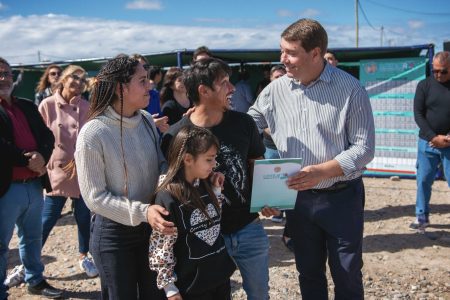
87,265
15,277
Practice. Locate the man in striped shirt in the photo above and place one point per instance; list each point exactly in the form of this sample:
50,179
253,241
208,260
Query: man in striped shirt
323,115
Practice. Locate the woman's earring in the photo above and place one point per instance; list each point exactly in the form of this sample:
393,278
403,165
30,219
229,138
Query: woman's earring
196,182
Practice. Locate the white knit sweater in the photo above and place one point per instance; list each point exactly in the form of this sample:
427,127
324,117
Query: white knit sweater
100,167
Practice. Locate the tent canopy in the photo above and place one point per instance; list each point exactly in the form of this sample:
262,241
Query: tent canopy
183,57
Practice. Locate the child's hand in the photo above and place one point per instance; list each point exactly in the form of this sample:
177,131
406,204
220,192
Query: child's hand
217,179
157,222
175,297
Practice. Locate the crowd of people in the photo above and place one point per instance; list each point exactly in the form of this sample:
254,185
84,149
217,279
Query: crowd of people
160,181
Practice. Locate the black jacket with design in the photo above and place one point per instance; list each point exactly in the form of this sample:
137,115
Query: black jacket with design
195,259
10,155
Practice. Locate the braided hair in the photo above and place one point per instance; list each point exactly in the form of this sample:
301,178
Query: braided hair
191,140
117,71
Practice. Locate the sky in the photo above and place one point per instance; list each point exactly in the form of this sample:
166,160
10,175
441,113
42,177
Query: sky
55,30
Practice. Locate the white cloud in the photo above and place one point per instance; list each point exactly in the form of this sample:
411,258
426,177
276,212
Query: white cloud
309,13
414,24
60,37
284,13
144,5
2,6
209,20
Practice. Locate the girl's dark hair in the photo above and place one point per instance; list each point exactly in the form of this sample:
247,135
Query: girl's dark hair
191,140
43,81
169,79
118,70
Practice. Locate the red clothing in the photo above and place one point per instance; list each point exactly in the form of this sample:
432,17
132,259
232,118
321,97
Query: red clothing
23,138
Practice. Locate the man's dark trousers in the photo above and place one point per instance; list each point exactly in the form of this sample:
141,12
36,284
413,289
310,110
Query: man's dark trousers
329,224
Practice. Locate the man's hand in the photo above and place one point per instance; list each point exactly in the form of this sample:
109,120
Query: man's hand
175,297
157,222
36,162
161,123
306,179
440,141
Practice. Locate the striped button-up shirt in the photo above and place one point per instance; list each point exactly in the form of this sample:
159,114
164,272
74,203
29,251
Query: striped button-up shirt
331,118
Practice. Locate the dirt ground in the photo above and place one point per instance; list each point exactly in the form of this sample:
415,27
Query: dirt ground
398,263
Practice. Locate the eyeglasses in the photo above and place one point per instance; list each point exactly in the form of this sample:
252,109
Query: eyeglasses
78,78
53,74
5,74
443,71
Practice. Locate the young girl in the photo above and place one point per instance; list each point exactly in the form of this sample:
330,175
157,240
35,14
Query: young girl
194,263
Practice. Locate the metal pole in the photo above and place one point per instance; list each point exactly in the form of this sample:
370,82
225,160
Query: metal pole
381,37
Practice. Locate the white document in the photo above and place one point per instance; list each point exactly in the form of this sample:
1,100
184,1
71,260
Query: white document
269,183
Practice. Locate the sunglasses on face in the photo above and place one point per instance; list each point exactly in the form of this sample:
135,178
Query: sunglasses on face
443,71
5,74
55,74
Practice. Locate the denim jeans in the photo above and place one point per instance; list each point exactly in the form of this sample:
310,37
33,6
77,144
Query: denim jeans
120,253
53,205
249,247
22,205
428,159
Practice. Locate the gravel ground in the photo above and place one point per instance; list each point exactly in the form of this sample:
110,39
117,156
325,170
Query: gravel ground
398,263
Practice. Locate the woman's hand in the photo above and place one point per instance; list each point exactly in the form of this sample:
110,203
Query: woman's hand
161,123
158,223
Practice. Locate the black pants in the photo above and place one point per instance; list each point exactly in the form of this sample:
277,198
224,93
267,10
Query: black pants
329,225
221,292
120,253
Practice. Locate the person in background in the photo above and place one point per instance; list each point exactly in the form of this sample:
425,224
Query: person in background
26,145
208,86
193,263
65,113
18,80
323,115
155,76
264,82
153,106
201,52
47,84
119,161
432,115
330,57
242,97
272,153
174,100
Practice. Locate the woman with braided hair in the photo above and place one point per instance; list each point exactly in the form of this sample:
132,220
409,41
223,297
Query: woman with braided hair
118,163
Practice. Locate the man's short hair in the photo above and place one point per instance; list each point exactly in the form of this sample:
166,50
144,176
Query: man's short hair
309,33
5,62
443,57
204,72
201,50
